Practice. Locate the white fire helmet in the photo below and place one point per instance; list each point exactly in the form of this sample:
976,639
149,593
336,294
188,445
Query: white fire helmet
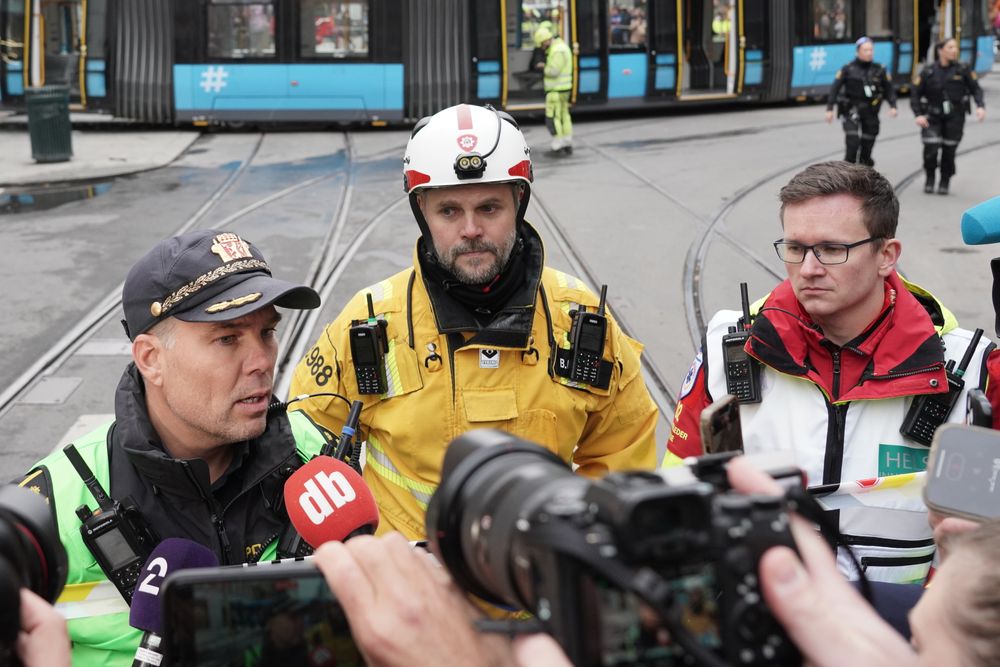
465,145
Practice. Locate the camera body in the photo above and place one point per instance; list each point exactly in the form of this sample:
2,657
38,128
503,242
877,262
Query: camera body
607,566
31,556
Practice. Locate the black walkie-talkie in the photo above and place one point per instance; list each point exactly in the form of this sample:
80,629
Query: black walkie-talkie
742,370
369,345
587,340
928,411
116,533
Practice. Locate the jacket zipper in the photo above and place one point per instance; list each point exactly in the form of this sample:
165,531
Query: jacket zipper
836,374
916,371
215,518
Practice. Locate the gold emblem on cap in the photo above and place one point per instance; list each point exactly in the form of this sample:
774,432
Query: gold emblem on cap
156,309
233,303
230,247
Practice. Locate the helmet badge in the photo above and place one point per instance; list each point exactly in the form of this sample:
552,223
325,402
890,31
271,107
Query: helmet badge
467,142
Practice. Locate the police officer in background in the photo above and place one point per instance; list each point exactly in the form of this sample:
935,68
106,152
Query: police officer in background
940,101
858,91
477,332
193,443
558,82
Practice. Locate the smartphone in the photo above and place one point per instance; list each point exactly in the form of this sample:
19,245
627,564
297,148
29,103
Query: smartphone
271,614
720,426
963,472
978,410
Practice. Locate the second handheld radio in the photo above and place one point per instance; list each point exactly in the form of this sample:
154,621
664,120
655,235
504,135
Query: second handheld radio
587,339
742,370
929,411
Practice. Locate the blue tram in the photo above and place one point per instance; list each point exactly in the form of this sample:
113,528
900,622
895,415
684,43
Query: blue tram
378,61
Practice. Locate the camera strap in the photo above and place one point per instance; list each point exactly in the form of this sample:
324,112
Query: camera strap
801,502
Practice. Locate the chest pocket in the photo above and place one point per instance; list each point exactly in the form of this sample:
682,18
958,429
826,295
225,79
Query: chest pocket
497,408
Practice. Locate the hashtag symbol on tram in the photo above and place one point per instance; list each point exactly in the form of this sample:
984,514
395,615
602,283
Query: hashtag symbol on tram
817,59
213,79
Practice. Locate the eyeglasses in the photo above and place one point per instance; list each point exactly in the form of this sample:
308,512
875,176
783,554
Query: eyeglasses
827,253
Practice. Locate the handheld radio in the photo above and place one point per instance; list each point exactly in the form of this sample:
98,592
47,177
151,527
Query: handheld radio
116,533
929,411
742,370
369,345
587,339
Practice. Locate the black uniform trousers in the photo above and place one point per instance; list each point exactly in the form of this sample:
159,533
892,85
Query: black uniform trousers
860,129
942,134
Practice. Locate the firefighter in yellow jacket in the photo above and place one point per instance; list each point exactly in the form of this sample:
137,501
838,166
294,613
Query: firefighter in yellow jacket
476,333
558,83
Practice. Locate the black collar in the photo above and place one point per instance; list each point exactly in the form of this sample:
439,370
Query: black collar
510,323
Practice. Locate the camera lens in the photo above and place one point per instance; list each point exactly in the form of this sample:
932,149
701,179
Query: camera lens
31,555
490,482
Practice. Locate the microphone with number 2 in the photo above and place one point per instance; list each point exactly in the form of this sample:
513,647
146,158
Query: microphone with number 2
170,555
328,501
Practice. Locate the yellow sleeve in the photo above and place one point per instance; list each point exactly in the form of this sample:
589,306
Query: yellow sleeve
319,372
621,435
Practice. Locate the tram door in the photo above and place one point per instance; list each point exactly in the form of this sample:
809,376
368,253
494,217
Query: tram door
524,80
710,44
55,44
12,68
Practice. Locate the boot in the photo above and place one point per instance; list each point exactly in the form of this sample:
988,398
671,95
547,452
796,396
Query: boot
943,185
929,183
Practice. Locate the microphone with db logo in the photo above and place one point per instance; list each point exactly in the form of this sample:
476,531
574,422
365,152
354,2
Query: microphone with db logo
328,501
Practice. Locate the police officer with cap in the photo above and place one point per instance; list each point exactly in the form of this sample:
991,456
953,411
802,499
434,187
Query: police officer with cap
193,443
940,100
477,331
858,91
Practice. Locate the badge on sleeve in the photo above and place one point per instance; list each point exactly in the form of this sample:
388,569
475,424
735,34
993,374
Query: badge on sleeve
692,374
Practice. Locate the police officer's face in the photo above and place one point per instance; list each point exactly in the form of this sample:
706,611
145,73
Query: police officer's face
216,379
866,52
473,227
949,51
838,296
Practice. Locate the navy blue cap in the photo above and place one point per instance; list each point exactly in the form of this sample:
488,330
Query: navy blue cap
204,276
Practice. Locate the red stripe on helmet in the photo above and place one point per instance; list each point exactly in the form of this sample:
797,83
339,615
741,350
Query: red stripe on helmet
415,178
464,117
522,169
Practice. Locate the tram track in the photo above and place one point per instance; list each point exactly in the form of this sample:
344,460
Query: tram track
109,306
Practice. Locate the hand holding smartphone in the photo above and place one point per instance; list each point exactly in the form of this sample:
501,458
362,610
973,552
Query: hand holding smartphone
720,426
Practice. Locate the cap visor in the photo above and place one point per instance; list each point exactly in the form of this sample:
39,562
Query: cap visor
233,303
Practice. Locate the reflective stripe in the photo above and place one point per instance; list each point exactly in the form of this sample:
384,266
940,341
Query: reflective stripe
94,598
24,482
568,281
379,291
394,386
380,463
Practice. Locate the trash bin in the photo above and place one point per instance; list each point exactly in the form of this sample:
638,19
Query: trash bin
48,123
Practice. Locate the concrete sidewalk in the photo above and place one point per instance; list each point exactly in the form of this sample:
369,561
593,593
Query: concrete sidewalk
97,153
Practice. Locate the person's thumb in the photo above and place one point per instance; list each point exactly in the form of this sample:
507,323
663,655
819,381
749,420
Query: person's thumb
539,650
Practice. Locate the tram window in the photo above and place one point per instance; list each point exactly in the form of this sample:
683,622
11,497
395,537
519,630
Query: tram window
627,24
337,29
97,11
877,18
832,20
240,29
12,30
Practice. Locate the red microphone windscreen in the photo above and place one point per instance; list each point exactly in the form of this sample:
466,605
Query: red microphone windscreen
327,501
